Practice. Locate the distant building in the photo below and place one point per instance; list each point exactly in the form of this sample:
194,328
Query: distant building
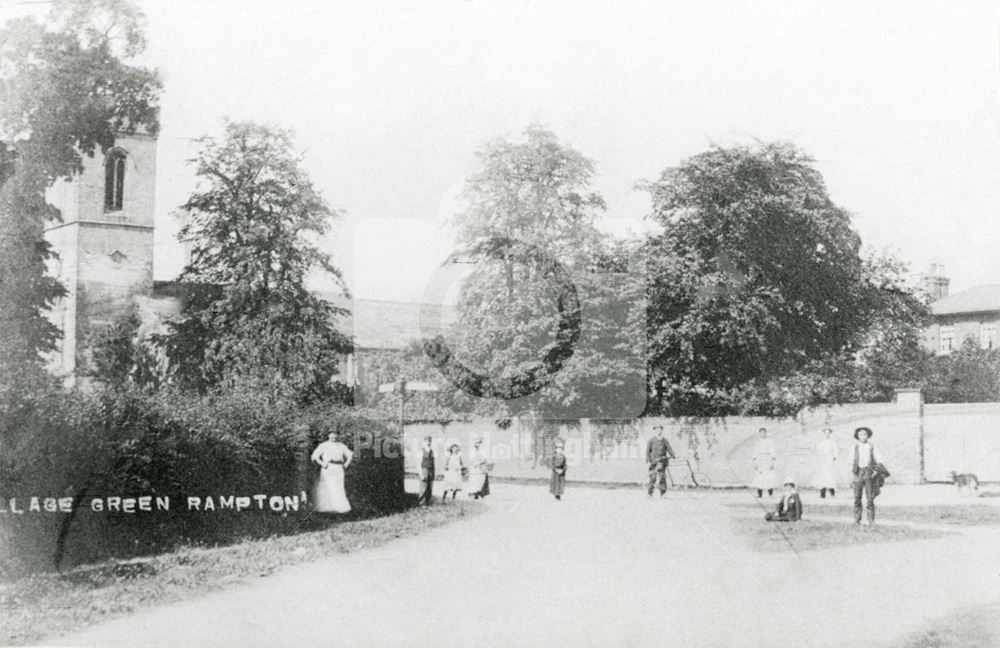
972,313
104,244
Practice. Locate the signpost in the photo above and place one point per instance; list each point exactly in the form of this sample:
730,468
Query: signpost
404,386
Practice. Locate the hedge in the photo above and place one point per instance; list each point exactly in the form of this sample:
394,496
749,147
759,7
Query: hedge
173,444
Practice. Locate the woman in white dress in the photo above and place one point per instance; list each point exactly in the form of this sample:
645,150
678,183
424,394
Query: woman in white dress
763,459
479,479
333,457
453,469
827,456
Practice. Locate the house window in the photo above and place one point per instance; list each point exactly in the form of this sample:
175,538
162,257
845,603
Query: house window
114,180
988,336
947,339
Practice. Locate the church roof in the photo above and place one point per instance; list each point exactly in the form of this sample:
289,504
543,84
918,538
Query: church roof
372,323
980,299
377,324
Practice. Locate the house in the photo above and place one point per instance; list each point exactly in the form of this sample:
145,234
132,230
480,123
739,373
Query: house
972,313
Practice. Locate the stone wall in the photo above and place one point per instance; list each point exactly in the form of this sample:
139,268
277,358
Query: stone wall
105,257
718,450
964,438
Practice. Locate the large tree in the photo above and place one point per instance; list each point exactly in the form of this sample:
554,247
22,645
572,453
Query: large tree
253,226
67,88
756,277
544,323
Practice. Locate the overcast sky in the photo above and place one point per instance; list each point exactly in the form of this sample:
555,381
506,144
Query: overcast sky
898,102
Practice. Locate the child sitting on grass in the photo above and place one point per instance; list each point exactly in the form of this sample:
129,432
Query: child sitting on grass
790,506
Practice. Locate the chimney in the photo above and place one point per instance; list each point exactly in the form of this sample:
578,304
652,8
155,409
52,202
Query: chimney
934,284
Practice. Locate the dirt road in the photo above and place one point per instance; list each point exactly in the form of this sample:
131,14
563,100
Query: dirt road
600,568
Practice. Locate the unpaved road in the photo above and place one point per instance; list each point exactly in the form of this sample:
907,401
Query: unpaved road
600,568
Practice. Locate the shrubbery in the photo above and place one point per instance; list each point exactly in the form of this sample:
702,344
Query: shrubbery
129,442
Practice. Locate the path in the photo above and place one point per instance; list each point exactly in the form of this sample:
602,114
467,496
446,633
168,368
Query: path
601,568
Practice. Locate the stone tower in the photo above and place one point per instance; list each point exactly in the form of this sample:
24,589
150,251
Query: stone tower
104,243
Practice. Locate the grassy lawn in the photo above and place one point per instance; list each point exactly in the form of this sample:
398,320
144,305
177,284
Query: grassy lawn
962,514
810,535
975,628
34,607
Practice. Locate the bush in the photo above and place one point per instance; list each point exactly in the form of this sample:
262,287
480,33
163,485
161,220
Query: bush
129,442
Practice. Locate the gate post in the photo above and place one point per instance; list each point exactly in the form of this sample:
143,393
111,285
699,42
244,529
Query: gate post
914,398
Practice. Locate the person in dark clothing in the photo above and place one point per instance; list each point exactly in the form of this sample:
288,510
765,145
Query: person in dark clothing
557,485
790,506
427,473
658,455
866,458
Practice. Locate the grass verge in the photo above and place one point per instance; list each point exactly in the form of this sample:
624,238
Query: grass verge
961,514
978,627
811,535
958,514
42,605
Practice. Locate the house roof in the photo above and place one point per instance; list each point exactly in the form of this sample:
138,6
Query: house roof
974,300
372,323
376,324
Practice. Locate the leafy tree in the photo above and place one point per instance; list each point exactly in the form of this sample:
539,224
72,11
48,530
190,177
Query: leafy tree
542,327
67,89
253,223
758,291
120,357
970,374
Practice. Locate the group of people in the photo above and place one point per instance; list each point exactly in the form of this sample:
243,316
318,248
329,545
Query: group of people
764,454
867,470
472,477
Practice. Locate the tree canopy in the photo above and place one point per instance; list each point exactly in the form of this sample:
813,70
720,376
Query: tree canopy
756,276
253,226
545,320
68,87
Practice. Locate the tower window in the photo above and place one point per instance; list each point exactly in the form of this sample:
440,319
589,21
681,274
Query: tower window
114,181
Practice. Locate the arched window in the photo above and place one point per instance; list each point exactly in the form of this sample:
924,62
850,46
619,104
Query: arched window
114,180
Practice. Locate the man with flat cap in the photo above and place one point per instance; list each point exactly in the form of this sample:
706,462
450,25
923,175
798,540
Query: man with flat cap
658,454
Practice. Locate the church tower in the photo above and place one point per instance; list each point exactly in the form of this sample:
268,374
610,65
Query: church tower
104,243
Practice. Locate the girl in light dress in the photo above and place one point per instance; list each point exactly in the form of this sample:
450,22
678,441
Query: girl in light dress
763,458
333,458
825,476
453,472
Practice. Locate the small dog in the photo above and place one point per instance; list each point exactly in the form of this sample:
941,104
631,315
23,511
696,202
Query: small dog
967,483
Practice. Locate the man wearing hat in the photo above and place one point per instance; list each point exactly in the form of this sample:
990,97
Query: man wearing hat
866,457
658,454
790,506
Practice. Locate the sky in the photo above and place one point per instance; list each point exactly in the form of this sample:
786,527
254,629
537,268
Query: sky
898,102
